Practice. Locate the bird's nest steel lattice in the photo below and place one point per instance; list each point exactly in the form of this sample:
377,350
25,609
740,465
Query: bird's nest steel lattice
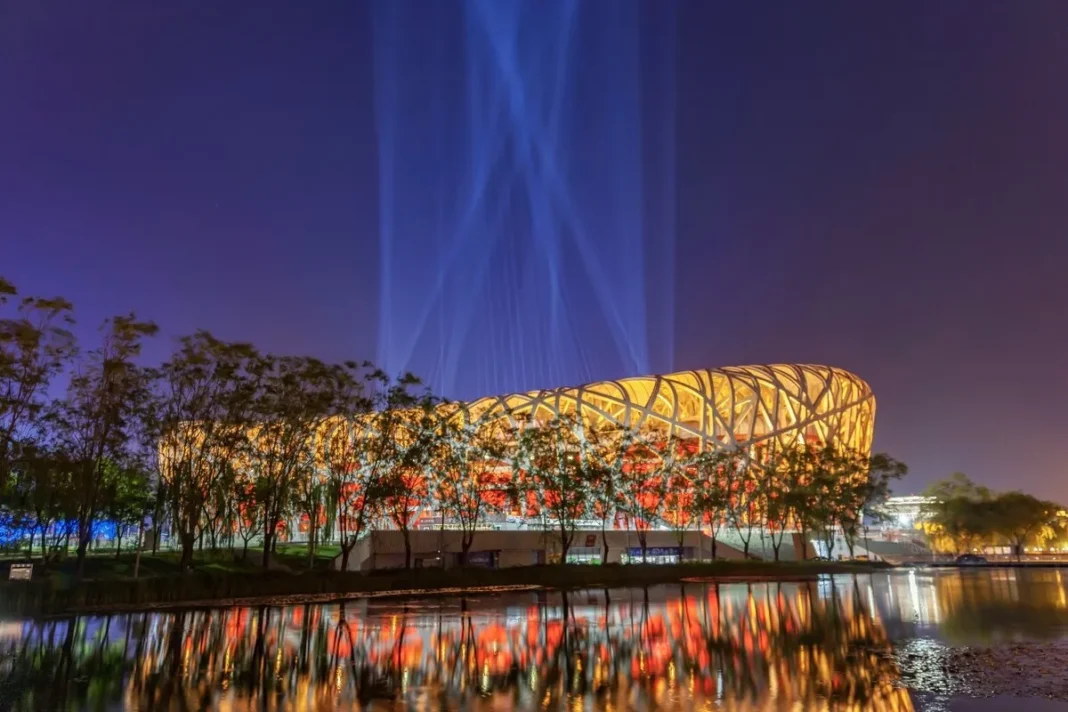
732,406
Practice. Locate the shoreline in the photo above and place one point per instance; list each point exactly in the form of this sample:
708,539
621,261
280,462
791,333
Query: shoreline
51,598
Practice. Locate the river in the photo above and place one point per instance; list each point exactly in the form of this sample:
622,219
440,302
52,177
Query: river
922,639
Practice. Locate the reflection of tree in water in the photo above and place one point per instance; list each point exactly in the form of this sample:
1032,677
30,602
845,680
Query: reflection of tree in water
747,647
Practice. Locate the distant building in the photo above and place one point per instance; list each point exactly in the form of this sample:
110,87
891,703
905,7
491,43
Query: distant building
904,513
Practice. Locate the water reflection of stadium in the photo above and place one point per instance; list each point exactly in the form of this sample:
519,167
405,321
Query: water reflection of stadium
741,646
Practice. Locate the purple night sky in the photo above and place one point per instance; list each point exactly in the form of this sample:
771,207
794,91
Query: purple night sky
881,187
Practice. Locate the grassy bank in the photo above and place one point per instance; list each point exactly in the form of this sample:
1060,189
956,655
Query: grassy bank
56,595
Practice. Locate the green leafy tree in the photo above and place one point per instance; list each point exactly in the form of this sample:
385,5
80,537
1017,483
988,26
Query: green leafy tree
199,416
45,491
1020,518
958,485
294,398
549,479
406,486
606,451
126,496
955,518
470,474
958,524
711,498
654,459
35,346
98,418
677,511
865,490
809,481
313,490
359,451
776,484
742,482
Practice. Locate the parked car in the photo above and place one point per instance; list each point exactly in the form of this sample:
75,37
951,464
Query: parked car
970,560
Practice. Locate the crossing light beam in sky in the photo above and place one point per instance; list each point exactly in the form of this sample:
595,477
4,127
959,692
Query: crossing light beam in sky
526,177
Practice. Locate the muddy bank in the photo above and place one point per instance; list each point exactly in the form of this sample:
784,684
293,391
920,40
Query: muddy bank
1020,669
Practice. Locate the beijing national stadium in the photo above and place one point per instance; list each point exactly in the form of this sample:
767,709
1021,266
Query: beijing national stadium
740,406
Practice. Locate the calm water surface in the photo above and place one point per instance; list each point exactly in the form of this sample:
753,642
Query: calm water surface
835,644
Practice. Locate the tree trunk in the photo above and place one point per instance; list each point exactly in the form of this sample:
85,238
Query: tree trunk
311,538
345,551
187,541
604,542
564,545
268,541
407,549
118,541
465,547
157,517
775,547
804,544
713,546
140,544
85,532
33,535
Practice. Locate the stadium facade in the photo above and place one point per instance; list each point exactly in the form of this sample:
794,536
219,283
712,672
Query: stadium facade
710,409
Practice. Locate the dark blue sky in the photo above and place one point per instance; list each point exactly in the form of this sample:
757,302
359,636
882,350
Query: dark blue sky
876,186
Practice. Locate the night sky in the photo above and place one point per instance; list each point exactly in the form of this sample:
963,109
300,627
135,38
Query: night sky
881,187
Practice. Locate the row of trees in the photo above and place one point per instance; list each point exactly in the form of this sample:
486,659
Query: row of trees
222,442
568,473
964,517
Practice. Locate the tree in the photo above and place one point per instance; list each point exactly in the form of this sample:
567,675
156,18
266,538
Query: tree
711,497
1020,518
44,489
836,480
470,475
776,484
248,508
35,346
606,451
957,485
311,499
644,483
956,518
958,524
405,486
549,480
865,490
742,483
816,480
678,473
200,413
125,497
295,396
97,419
364,450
